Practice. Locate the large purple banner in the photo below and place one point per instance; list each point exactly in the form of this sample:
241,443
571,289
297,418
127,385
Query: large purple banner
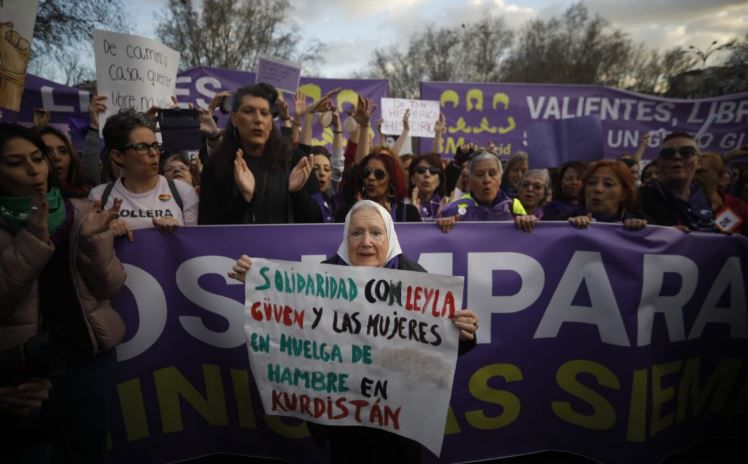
501,113
617,345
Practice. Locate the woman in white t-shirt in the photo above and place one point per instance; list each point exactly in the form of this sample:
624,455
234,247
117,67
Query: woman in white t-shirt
148,199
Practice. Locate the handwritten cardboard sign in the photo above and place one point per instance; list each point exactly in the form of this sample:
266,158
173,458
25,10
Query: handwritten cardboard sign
17,18
423,116
359,346
134,72
281,74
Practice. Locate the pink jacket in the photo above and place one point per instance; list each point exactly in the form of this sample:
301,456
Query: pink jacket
96,273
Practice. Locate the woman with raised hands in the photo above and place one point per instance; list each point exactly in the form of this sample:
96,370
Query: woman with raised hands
369,239
58,270
254,176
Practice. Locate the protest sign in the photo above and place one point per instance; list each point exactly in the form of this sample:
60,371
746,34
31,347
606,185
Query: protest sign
552,143
423,116
281,74
359,346
17,18
134,72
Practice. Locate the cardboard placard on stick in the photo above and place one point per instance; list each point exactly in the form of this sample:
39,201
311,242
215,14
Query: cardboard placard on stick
133,72
282,74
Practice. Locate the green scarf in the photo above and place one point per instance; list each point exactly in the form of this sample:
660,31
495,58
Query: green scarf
15,210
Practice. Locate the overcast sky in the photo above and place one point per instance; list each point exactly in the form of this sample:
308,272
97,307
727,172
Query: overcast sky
351,29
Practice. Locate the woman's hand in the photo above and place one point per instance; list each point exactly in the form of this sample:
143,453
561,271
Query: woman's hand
243,177
282,108
525,222
21,400
300,174
36,221
414,199
364,110
446,223
165,225
96,106
634,224
41,117
406,120
299,103
208,125
580,222
120,228
467,322
100,219
241,267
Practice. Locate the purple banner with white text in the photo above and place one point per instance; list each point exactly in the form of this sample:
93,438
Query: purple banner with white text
617,345
502,113
199,85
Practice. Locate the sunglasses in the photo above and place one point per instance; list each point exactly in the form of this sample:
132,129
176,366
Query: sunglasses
685,151
379,174
433,170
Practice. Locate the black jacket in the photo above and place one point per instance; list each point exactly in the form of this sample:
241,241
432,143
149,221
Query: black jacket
222,203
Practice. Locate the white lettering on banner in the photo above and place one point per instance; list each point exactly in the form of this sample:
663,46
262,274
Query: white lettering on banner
152,312
615,109
207,86
182,89
671,306
480,284
188,274
585,267
48,101
735,315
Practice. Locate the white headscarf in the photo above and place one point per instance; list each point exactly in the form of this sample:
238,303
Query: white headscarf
394,245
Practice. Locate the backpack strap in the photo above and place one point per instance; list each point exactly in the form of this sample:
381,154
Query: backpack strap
175,194
106,193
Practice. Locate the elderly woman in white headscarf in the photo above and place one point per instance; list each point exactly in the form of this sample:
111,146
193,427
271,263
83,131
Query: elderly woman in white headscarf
369,239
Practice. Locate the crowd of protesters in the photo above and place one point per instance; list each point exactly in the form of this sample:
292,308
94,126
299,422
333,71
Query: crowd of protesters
61,211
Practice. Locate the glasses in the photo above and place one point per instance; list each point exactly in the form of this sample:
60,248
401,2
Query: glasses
433,170
532,185
686,151
145,148
379,174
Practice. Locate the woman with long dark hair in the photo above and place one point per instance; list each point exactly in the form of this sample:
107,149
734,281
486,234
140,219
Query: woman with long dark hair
65,161
250,179
58,270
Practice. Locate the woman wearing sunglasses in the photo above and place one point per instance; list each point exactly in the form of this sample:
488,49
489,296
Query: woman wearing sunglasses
674,200
380,179
427,179
148,199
